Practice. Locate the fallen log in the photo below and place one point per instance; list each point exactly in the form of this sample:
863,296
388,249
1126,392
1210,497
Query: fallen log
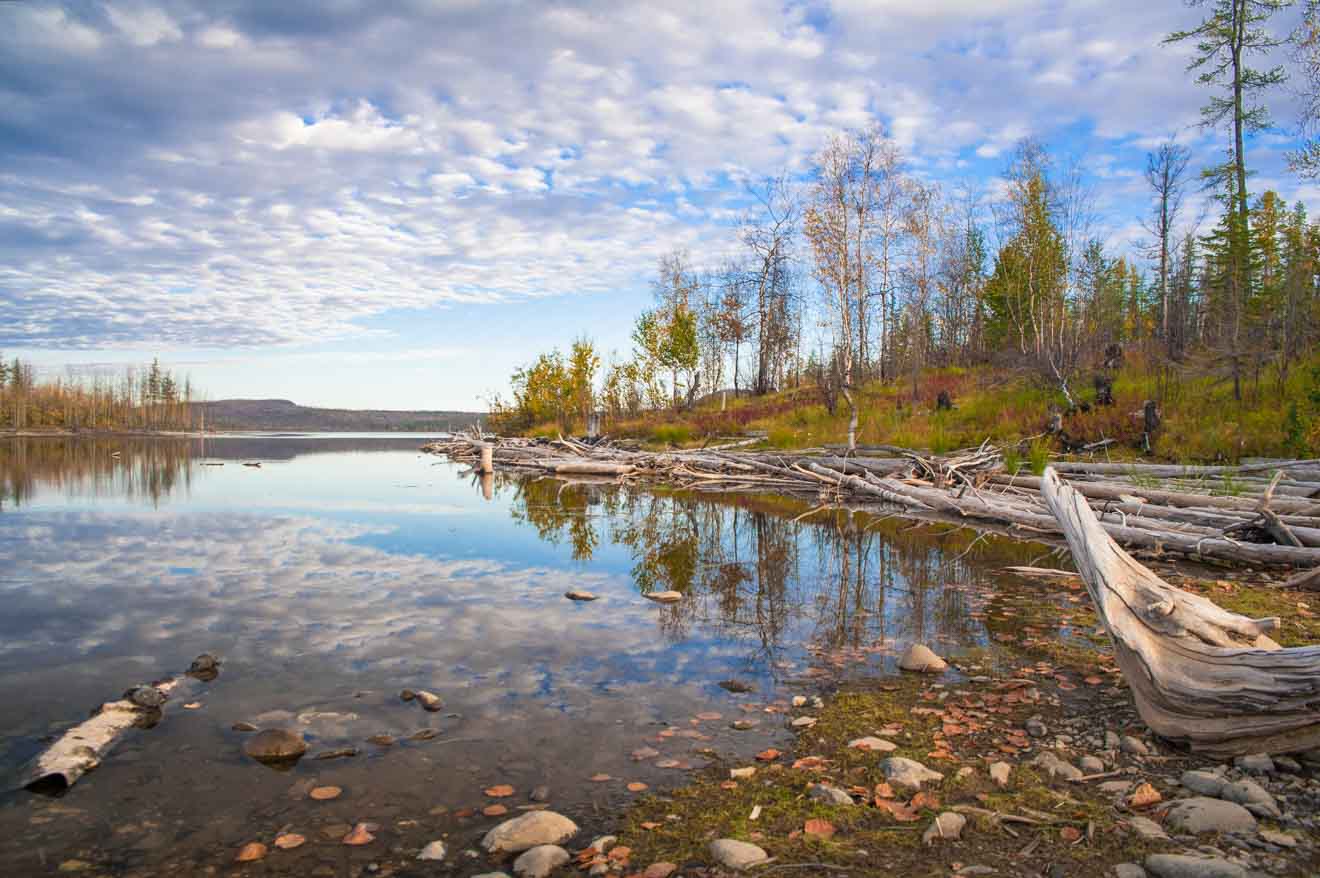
1200,675
82,748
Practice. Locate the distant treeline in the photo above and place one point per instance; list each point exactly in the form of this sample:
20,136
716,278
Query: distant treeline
150,398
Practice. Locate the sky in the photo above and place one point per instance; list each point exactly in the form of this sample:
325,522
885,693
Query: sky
392,205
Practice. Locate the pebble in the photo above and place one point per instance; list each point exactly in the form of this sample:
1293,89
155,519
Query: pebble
1181,866
1282,839
533,829
946,827
1147,828
735,686
1056,767
1112,741
243,727
1203,814
1036,728
742,773
540,861
542,792
737,855
275,746
660,870
664,597
1206,783
433,851
1129,870
803,722
251,852
823,792
907,772
430,700
1253,797
1091,764
1256,763
579,596
1135,746
921,659
874,744
999,773
289,840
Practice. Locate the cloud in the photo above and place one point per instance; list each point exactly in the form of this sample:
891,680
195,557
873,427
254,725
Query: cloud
247,173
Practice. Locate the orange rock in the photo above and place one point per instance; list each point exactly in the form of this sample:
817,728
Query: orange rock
289,841
359,836
499,791
1144,796
322,794
494,810
769,755
819,828
251,852
637,787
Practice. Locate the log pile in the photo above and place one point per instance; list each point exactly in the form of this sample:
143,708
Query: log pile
1264,514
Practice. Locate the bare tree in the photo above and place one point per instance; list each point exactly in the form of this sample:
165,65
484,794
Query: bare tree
1166,170
768,234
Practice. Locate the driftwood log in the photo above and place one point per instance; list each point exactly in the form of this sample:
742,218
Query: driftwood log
82,748
1200,675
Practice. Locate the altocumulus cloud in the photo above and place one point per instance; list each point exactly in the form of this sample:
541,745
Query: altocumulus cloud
240,172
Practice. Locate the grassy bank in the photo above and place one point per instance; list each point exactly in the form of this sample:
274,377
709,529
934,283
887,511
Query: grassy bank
1201,418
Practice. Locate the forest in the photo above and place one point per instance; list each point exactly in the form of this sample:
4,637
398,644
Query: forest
861,280
148,399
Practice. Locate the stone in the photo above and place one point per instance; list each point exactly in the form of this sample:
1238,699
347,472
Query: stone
737,855
1205,783
433,851
946,827
580,595
660,870
743,725
1147,828
205,667
540,861
1256,763
1036,728
146,696
1288,764
275,746
908,772
251,852
532,829
1134,746
664,597
241,726
542,793
1282,839
429,700
735,686
1202,814
1112,741
1144,796
407,695
1056,767
1182,866
492,875
1115,787
823,792
999,772
803,722
742,773
1253,797
1091,765
874,744
921,659
1129,870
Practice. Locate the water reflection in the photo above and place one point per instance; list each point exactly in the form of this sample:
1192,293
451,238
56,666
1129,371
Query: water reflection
140,469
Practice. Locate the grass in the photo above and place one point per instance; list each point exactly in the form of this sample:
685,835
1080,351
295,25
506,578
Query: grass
1201,421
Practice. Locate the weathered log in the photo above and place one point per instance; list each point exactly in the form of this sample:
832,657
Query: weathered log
1199,674
592,468
82,748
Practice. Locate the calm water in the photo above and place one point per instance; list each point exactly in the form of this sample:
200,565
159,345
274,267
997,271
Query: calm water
346,568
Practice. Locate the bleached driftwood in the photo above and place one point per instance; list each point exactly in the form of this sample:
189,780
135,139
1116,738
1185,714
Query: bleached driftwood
1200,675
81,748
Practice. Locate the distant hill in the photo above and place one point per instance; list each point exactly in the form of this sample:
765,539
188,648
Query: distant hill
282,414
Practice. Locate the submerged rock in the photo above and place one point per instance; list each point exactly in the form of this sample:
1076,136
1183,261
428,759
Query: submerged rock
433,851
531,830
920,658
664,597
735,686
275,746
429,700
146,696
580,595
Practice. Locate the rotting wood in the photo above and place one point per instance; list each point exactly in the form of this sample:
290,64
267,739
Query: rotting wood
1200,675
82,748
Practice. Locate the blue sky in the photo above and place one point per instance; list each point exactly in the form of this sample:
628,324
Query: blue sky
392,205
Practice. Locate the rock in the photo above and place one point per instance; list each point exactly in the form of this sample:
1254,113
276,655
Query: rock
872,743
243,727
1112,741
341,753
492,875
359,835
803,722
735,686
407,695
251,852
1036,728
1129,870
1282,839
1091,765
736,855
946,827
660,870
429,700
603,843
532,829
1147,828
999,772
146,696
1202,814
205,667
289,841
1253,797
1115,787
907,772
275,746
433,851
1288,764
325,794
1056,767
1256,763
1135,746
580,596
540,861
823,792
1205,783
1180,866
742,773
1144,796
664,597
743,725
541,793
921,659
382,740
799,700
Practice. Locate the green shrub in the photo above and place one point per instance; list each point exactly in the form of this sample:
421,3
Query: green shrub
1039,456
671,434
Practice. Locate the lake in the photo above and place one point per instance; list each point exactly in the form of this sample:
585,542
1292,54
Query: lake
344,569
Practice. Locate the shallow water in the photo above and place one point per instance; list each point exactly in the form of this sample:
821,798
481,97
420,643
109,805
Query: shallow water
344,569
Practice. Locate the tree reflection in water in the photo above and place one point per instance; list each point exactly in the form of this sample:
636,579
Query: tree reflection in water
751,570
147,469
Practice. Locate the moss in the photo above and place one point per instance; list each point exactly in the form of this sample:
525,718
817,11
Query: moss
1300,624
